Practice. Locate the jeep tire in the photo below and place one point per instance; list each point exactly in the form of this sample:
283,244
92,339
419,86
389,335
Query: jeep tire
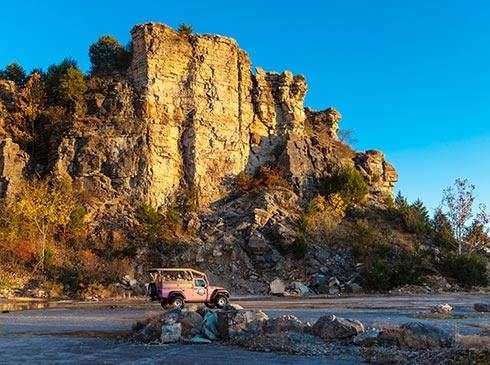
220,301
176,301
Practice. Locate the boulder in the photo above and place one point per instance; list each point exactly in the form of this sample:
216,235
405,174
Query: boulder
171,316
300,288
318,280
237,325
277,287
257,244
333,328
482,307
419,336
283,324
442,308
367,339
171,333
210,325
191,322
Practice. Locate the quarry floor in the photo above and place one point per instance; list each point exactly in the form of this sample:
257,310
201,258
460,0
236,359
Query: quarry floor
38,332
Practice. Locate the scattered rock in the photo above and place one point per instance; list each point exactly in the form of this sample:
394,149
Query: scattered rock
419,336
300,288
283,324
482,307
171,316
442,308
318,280
333,328
367,338
277,287
354,287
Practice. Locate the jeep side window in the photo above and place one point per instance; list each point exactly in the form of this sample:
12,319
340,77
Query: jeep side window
200,282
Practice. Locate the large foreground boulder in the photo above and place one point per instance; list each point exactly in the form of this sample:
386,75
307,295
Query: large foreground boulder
238,325
283,324
171,333
417,336
333,328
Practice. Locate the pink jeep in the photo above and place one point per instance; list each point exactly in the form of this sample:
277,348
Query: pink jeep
175,287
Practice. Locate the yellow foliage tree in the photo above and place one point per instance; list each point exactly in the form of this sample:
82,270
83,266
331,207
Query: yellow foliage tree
325,213
45,209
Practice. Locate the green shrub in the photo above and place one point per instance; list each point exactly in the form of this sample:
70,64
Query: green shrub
468,270
191,200
443,232
303,222
185,30
14,72
52,78
349,184
173,216
414,216
408,270
377,276
72,85
150,221
300,246
77,217
108,56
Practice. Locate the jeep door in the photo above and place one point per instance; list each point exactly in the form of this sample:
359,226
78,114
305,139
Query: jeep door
199,292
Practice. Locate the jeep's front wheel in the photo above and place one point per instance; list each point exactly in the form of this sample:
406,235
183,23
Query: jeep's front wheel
177,302
220,301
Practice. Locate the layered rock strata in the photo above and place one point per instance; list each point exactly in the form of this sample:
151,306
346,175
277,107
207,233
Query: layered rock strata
192,117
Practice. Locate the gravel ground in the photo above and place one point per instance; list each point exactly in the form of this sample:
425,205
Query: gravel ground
75,333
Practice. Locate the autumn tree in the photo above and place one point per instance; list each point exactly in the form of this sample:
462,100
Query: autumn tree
45,208
28,105
460,199
346,136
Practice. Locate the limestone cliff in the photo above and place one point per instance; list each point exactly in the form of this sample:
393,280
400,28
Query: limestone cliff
210,117
188,117
193,115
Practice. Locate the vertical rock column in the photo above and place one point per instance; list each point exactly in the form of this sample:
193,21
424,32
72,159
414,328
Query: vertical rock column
161,59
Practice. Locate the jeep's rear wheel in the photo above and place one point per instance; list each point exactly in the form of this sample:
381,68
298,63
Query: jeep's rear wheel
220,301
177,302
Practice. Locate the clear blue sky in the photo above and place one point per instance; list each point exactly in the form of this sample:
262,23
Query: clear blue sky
412,77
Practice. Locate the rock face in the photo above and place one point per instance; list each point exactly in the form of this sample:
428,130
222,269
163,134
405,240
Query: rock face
12,163
191,117
209,117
